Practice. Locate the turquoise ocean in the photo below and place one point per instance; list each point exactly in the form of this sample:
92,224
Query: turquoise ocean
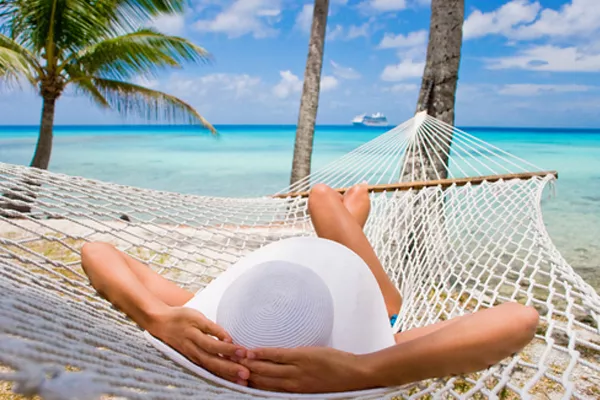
256,160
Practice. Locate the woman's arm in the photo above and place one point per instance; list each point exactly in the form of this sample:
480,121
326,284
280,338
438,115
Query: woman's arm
129,285
467,344
155,304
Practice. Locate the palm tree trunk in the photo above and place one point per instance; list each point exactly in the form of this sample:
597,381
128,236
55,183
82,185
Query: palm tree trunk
43,150
437,97
438,88
310,94
26,191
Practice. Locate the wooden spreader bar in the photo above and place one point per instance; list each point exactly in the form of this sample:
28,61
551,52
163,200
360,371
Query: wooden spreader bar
444,183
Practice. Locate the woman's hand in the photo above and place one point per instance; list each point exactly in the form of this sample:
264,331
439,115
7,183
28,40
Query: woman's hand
191,334
306,370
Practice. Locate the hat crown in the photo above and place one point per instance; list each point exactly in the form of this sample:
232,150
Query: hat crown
277,304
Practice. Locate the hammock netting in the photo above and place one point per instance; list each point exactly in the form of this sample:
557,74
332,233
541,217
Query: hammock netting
451,249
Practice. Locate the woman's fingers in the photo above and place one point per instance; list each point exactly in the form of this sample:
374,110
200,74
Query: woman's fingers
210,328
282,356
217,365
269,369
216,347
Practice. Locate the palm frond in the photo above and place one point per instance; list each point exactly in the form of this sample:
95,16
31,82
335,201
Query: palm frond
13,67
11,44
144,9
65,25
16,62
143,52
130,99
83,22
87,87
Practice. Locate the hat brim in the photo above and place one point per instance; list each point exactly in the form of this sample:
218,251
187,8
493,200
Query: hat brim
361,324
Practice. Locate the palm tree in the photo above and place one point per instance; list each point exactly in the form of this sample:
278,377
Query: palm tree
310,93
95,47
438,88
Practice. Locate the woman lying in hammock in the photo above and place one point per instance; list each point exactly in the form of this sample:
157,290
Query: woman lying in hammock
461,345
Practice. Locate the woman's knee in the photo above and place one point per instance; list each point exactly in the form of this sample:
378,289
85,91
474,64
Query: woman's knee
93,249
320,194
358,191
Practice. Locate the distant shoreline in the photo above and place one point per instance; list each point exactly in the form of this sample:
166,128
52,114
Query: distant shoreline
530,129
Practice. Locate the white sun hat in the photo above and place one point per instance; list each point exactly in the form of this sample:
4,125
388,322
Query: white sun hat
296,292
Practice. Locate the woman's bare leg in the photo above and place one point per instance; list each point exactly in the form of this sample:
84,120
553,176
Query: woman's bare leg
357,202
334,221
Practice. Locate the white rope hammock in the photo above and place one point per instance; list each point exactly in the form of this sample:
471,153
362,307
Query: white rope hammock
451,248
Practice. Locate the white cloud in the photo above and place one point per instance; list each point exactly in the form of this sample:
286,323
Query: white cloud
328,83
243,17
304,18
350,33
412,39
550,58
146,82
344,72
200,5
578,18
173,24
500,21
412,50
403,88
237,85
335,33
570,34
413,53
406,69
269,12
290,84
240,84
356,31
384,5
526,20
530,89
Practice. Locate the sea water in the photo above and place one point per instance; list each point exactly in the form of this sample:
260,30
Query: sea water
256,160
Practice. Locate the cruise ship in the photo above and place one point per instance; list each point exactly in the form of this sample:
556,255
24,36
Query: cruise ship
377,119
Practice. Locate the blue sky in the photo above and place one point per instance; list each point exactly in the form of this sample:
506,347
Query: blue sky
524,63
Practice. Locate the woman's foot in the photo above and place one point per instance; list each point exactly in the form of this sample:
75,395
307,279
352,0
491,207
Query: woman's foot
358,203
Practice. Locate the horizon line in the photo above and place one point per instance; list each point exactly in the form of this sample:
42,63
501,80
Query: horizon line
390,127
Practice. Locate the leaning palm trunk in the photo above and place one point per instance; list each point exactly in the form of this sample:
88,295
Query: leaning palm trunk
23,194
438,89
310,94
425,159
43,149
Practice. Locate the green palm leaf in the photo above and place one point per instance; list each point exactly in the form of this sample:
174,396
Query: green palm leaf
16,61
87,87
142,9
143,52
62,25
131,99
